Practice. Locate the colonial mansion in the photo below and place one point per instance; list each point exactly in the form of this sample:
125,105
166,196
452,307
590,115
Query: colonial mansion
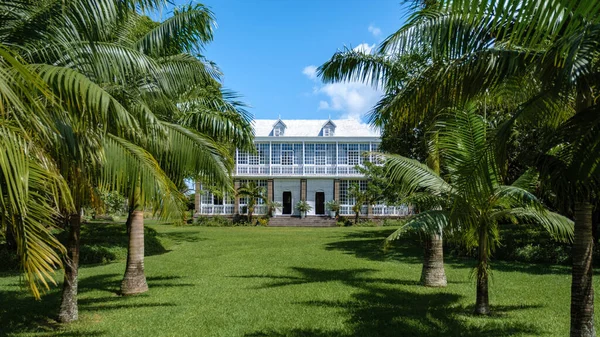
310,160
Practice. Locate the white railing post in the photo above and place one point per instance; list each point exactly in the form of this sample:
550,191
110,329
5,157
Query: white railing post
303,157
337,157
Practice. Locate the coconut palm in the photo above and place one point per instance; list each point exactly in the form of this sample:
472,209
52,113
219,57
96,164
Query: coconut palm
473,187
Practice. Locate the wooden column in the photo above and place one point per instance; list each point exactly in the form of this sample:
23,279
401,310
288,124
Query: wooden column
270,190
303,189
236,202
336,190
197,199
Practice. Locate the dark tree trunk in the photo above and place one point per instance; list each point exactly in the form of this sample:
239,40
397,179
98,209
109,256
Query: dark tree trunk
482,303
356,216
433,273
134,280
582,289
68,306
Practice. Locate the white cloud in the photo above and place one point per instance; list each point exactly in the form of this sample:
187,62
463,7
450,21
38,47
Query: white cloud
350,99
323,105
363,47
374,30
310,72
353,99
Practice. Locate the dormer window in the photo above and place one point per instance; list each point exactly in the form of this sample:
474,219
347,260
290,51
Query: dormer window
278,128
328,129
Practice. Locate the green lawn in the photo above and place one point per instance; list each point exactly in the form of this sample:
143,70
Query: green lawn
293,282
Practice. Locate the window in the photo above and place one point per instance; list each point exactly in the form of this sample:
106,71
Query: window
345,185
320,157
327,132
259,183
217,200
242,158
353,158
278,132
287,157
254,159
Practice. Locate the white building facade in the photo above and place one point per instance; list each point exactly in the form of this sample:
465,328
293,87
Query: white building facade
310,160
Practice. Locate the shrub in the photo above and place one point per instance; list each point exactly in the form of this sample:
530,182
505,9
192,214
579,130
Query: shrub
366,223
212,221
263,222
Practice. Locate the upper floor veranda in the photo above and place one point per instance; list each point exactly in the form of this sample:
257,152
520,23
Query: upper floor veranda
315,148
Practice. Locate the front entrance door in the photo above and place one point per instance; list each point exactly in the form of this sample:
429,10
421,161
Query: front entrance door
320,203
287,202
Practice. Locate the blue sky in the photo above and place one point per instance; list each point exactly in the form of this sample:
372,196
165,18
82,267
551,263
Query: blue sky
268,49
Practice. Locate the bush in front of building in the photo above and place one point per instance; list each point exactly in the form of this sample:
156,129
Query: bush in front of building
213,221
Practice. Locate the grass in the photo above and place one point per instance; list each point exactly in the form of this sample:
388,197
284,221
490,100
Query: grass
256,281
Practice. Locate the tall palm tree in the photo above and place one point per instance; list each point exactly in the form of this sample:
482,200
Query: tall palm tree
191,116
479,45
392,73
479,201
89,67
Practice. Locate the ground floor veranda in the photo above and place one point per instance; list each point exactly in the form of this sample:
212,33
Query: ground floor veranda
288,191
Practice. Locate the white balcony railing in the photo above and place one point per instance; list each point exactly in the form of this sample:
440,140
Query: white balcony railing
346,210
217,209
258,209
379,210
296,170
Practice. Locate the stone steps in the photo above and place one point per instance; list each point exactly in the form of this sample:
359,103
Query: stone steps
309,221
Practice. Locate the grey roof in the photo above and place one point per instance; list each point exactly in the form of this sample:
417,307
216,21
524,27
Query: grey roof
313,128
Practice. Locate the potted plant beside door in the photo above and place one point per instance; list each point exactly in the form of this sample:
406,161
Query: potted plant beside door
333,207
303,207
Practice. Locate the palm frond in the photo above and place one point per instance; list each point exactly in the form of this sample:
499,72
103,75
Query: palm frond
429,222
188,28
414,175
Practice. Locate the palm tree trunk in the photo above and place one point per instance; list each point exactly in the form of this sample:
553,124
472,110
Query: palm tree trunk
582,291
134,280
433,273
482,303
68,306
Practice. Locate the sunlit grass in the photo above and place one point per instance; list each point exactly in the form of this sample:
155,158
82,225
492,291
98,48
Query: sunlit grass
294,282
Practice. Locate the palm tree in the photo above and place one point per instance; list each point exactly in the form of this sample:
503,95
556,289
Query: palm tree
252,192
550,49
60,108
193,113
113,90
393,73
479,200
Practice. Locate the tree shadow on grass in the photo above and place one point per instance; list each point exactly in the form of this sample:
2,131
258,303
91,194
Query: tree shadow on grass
103,242
355,277
20,313
377,309
182,236
370,245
